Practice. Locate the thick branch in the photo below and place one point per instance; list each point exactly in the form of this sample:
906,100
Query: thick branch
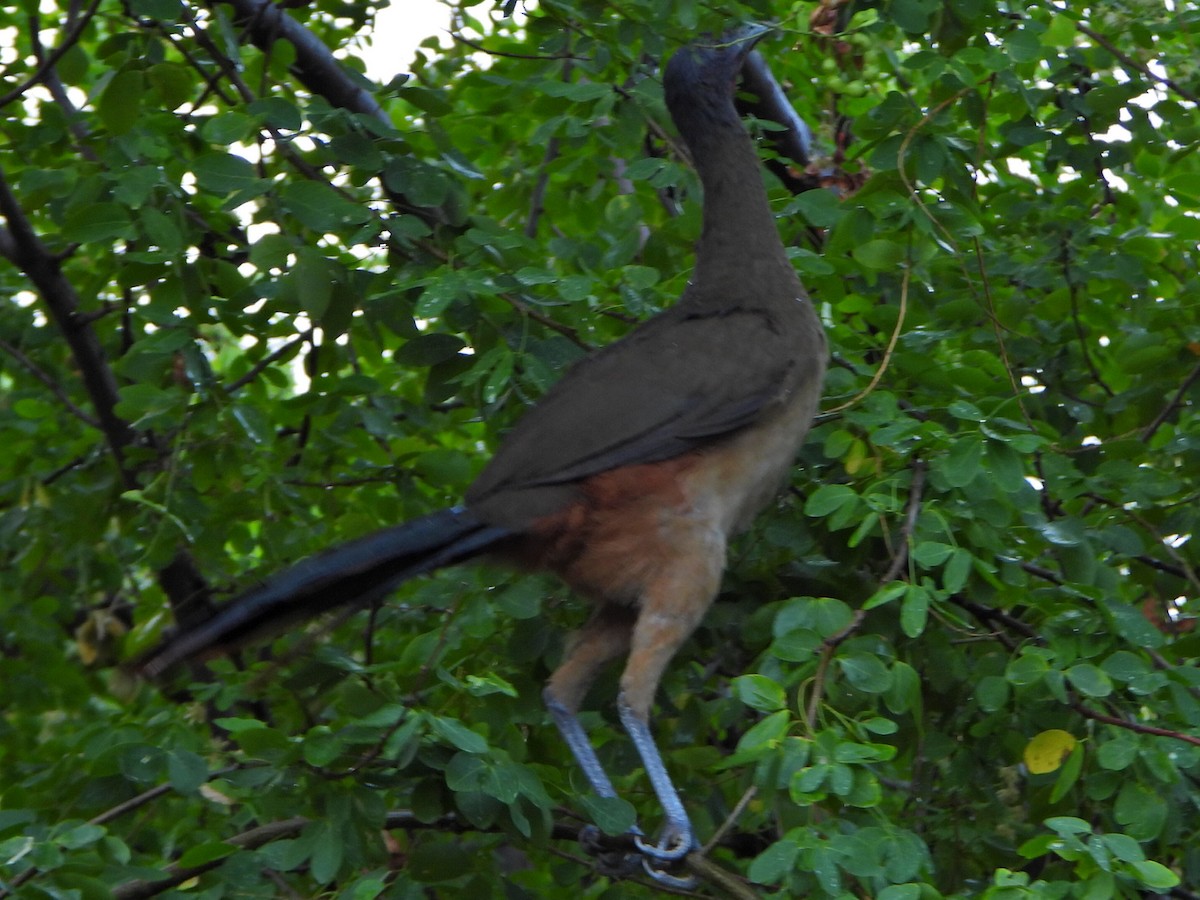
315,65
26,251
21,245
319,70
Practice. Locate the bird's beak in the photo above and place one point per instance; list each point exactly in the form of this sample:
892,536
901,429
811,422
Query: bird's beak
747,35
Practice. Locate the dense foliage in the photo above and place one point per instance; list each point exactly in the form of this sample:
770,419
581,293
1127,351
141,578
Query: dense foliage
252,304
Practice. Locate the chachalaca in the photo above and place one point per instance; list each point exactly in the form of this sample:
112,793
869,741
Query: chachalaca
629,476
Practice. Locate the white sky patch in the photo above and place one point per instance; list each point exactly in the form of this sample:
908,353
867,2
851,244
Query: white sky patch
399,30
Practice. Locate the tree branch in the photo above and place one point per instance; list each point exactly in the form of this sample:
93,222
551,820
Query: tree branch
899,558
1175,403
253,838
1090,713
1129,62
53,386
315,65
53,57
27,252
319,70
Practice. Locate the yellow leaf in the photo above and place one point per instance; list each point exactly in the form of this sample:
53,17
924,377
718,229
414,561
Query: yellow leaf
1047,751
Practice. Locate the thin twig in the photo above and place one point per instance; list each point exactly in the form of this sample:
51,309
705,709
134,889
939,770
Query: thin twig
55,388
1175,403
1073,290
538,195
267,361
887,353
915,490
1090,713
899,559
53,57
731,819
1132,63
457,37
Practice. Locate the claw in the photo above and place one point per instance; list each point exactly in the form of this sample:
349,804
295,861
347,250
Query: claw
674,844
685,883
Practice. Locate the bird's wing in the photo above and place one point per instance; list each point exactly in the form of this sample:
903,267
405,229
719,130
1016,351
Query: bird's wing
677,382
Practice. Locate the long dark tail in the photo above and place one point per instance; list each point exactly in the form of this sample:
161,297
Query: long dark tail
358,572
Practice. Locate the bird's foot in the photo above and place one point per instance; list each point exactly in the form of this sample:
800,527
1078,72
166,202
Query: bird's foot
674,844
683,883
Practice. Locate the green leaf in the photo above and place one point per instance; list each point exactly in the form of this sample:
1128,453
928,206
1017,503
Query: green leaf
824,615
1089,680
97,222
829,498
205,853
320,207
612,815
1155,875
914,610
774,863
327,857
759,692
428,350
1117,753
958,570
225,173
962,464
172,82
1026,669
880,254
120,104
577,91
1069,774
768,733
1141,810
886,594
991,692
186,771
467,773
931,553
227,128
1123,847
819,208
865,671
321,746
458,735
82,835
1124,666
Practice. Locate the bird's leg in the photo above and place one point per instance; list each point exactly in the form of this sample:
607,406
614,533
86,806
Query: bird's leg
602,639
671,609
676,840
577,742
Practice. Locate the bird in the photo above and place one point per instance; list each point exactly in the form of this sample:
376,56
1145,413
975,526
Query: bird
630,475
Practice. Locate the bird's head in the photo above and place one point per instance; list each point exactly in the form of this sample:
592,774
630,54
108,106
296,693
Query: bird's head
707,69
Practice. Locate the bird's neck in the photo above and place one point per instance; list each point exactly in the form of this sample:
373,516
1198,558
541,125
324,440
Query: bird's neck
738,238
